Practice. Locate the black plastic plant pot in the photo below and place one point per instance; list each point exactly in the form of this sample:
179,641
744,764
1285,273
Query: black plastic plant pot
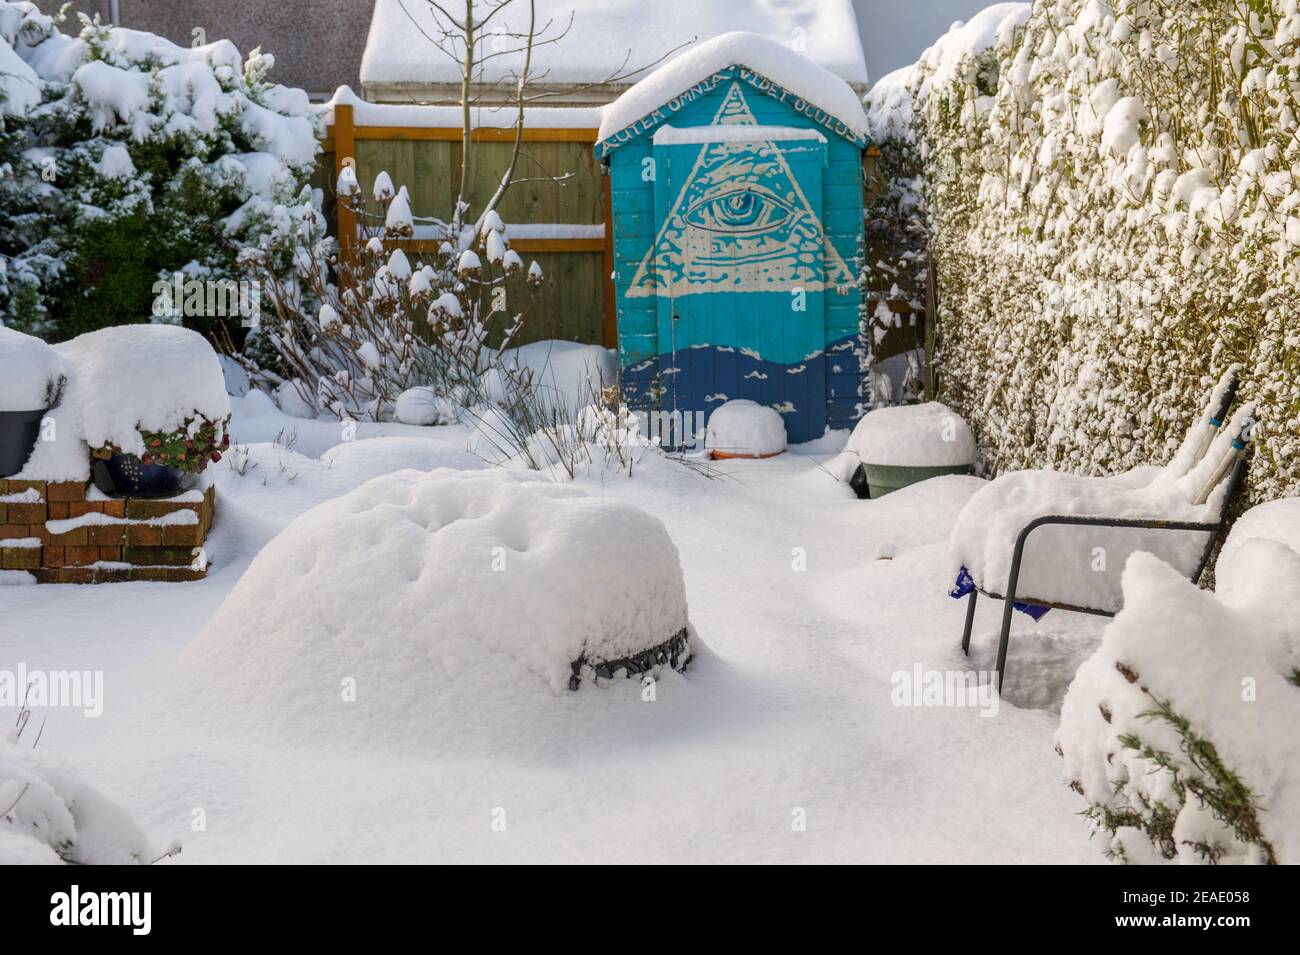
131,477
18,433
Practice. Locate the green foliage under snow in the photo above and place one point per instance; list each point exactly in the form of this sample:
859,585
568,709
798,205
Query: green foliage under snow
136,160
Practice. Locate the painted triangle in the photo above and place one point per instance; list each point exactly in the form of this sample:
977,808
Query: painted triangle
740,223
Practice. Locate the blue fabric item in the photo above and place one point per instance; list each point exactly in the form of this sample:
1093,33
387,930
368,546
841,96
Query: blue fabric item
1033,611
964,584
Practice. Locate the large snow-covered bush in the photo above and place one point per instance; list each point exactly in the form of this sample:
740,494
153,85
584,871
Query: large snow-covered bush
1111,195
451,602
140,159
1179,731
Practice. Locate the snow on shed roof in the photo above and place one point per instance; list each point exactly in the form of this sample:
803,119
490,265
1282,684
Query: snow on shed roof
608,37
793,72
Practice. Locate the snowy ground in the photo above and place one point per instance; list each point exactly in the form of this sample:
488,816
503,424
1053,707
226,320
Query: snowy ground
787,714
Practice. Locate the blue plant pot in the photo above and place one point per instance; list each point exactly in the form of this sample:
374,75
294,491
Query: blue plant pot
18,433
133,478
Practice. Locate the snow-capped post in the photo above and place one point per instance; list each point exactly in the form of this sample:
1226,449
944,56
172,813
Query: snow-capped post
345,158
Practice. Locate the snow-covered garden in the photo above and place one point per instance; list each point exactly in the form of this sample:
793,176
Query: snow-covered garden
376,582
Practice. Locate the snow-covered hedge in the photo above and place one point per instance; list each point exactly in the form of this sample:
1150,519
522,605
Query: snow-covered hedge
1111,195
126,158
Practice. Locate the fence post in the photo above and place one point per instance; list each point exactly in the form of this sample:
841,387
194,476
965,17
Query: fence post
345,153
607,283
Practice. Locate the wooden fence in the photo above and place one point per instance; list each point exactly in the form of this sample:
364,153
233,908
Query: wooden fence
565,226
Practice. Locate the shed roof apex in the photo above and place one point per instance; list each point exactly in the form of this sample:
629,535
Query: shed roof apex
791,72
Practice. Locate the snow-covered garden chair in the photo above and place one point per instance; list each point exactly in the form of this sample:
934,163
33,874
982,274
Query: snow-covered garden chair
1068,567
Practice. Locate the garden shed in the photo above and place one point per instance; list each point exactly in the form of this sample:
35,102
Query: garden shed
737,200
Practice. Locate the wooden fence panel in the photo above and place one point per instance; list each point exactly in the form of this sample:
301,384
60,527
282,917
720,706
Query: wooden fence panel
563,187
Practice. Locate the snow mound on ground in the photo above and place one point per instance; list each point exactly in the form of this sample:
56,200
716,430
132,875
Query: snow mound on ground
924,435
563,374
150,377
57,817
772,59
746,429
1081,566
1043,660
28,369
450,603
1211,659
279,482
423,406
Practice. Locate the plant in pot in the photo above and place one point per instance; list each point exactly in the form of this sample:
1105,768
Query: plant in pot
31,384
169,458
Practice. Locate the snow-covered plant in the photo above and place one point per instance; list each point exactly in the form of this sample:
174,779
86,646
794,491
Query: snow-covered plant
527,426
49,814
373,325
1114,216
1179,730
146,159
25,262
189,448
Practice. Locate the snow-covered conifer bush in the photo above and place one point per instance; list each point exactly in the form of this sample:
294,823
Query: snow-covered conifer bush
1111,195
24,264
144,159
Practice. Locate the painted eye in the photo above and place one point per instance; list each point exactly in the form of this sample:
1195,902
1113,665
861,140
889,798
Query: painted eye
744,211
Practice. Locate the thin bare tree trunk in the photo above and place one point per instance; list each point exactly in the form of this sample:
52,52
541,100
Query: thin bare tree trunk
504,184
466,81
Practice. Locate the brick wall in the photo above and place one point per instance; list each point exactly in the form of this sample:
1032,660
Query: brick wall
70,533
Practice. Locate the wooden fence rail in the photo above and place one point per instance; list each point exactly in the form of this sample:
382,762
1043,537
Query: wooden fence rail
563,191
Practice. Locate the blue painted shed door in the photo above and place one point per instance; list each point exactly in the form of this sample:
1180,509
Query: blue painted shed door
740,266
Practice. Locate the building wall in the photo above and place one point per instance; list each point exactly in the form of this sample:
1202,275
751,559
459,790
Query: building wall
317,44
